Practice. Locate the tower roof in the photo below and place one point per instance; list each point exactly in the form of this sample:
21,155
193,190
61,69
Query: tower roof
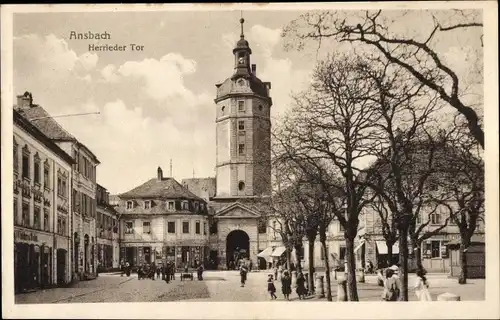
242,44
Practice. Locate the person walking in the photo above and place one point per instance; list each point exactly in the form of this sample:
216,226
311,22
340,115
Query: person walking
158,271
301,286
422,286
271,288
199,271
392,286
243,274
286,284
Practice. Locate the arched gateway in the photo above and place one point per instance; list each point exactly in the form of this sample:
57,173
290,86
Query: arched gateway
237,247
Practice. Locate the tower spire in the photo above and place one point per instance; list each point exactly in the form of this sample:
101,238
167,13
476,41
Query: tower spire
242,35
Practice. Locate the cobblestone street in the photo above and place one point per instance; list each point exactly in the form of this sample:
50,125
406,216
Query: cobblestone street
219,286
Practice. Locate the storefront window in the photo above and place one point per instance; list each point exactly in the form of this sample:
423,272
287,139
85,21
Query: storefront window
435,249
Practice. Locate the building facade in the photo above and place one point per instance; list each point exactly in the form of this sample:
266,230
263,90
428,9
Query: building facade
42,209
161,220
82,186
108,249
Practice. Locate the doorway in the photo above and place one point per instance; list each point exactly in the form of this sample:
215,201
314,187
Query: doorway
237,247
61,266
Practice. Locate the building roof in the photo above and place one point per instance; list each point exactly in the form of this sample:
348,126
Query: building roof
23,123
165,188
40,118
200,186
229,86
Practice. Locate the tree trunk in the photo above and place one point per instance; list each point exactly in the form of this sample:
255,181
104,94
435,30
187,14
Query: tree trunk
418,255
352,290
327,271
298,265
462,279
389,253
311,265
403,260
288,253
363,256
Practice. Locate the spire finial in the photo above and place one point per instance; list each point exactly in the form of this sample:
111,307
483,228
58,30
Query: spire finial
241,22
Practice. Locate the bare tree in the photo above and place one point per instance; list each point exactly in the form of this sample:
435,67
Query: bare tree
462,189
418,57
330,129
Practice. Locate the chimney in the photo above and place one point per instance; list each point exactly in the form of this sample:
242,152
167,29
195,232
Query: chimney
254,69
160,174
25,101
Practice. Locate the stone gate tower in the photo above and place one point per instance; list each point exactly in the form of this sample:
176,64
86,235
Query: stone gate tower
243,163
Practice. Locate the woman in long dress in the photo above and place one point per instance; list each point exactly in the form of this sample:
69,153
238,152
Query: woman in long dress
286,285
422,286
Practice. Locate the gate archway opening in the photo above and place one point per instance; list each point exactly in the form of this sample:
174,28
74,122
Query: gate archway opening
237,247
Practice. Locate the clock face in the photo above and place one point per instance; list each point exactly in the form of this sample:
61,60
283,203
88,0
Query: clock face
241,60
241,82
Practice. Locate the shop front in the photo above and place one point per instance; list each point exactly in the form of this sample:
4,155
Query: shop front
32,260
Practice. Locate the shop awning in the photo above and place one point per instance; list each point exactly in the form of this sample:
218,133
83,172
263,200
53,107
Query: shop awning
361,243
266,253
278,252
382,247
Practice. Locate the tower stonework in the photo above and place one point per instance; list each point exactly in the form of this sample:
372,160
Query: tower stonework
243,161
243,164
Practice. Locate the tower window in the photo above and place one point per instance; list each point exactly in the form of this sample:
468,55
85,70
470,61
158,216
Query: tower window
241,186
241,149
223,109
241,125
241,106
260,107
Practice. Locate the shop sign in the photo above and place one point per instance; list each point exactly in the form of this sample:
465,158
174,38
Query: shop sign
27,236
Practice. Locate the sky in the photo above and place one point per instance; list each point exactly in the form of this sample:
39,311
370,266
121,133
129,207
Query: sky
157,104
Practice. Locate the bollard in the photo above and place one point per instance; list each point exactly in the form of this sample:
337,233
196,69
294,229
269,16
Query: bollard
294,279
320,288
342,290
360,277
448,297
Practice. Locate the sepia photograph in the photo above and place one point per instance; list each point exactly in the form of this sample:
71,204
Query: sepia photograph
293,155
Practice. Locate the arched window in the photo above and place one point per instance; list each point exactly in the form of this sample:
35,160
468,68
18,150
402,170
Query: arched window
241,186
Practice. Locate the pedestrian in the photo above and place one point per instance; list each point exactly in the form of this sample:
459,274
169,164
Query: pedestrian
280,272
250,264
158,271
286,284
243,274
199,271
301,286
422,286
127,268
271,288
369,265
392,286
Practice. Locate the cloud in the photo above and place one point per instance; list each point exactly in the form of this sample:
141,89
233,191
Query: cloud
50,53
164,77
109,74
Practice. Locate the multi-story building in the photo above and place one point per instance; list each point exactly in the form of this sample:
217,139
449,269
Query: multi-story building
161,220
108,249
82,185
42,209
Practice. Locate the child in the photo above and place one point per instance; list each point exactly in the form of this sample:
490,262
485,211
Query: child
421,286
270,287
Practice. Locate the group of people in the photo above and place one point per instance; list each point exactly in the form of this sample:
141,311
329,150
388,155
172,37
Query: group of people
286,285
392,285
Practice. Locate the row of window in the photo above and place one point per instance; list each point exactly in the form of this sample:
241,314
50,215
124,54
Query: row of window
241,107
105,222
84,166
148,204
84,204
146,227
25,221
